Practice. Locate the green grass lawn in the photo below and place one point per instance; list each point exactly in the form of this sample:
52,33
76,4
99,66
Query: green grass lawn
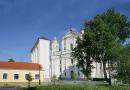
80,87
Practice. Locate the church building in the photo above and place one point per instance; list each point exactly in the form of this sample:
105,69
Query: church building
62,64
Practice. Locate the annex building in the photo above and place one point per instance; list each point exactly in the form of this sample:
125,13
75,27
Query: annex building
18,71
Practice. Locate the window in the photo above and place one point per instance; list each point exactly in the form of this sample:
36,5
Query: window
37,76
60,61
65,73
72,61
4,75
64,48
72,74
60,69
71,46
16,76
26,76
64,44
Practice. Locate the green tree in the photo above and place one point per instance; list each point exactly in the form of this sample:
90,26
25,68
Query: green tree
82,53
124,64
29,78
11,60
103,36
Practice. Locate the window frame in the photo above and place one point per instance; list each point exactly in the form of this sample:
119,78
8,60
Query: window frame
16,76
37,78
26,75
71,46
6,76
72,61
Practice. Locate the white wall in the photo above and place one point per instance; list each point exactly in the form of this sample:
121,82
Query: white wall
41,54
67,40
11,72
44,56
97,71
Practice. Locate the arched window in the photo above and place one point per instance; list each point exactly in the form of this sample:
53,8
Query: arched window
71,46
72,61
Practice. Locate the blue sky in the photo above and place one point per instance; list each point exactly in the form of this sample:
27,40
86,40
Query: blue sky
23,21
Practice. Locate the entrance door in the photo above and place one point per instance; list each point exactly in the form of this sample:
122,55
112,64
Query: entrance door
72,74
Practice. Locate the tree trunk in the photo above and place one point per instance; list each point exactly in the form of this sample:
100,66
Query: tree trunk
109,73
129,82
104,71
87,68
109,81
28,84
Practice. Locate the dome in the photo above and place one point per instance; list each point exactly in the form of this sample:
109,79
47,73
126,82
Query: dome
71,33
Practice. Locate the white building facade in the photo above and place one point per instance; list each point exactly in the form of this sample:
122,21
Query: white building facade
56,59
62,64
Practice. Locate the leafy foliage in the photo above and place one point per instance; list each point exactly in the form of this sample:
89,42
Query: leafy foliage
83,56
11,60
102,40
29,78
124,64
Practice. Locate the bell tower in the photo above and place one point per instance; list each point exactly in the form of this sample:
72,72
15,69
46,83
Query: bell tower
55,58
55,45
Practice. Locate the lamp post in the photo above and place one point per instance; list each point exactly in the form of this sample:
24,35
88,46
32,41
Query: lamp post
39,75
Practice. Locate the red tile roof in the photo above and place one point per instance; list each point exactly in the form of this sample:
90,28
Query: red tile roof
19,65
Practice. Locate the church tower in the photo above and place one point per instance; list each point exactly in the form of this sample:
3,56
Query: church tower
55,58
55,45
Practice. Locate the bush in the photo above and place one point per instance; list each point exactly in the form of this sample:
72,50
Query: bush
32,88
100,79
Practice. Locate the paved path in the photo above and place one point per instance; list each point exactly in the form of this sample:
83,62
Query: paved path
77,82
12,88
